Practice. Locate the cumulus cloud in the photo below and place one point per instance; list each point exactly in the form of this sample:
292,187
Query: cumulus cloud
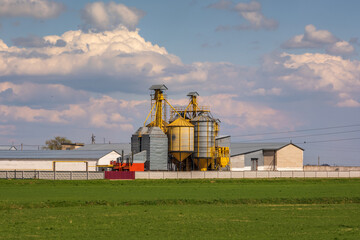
110,61
318,72
313,38
36,42
104,112
110,52
251,12
244,115
101,16
32,94
266,92
256,20
38,9
340,48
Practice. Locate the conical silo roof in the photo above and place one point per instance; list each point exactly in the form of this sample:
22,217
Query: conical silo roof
180,122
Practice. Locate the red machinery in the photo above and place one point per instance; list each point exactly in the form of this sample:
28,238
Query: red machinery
123,166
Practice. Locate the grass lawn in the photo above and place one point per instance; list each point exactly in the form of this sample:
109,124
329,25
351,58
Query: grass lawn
181,209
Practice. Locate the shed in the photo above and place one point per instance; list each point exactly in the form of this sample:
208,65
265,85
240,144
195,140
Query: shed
266,157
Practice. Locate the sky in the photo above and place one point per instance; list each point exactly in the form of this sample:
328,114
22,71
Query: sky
271,71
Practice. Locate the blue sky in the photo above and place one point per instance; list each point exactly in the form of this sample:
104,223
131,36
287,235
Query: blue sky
74,68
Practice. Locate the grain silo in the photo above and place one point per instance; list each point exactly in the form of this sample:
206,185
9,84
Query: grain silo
204,141
186,143
181,140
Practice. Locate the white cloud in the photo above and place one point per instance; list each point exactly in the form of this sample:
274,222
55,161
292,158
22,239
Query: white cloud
101,16
346,100
318,36
340,48
39,9
256,20
349,103
104,112
117,60
319,72
251,12
34,94
110,52
266,92
245,115
312,38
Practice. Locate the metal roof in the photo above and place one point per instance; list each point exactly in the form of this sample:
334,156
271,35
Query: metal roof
222,136
6,148
242,148
192,94
158,86
180,122
52,154
118,147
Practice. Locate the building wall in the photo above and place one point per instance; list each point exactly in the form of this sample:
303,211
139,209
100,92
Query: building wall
258,155
105,160
289,158
269,160
237,163
47,164
223,142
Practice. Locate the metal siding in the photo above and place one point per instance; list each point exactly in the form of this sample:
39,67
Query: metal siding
242,148
158,152
107,147
135,143
258,155
140,157
146,146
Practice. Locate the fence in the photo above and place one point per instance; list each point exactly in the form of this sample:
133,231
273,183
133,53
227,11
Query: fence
51,175
69,175
245,174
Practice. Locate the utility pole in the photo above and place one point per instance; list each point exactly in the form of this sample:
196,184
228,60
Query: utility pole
318,160
92,139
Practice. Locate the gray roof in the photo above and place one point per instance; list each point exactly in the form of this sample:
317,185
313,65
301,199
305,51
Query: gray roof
222,136
242,148
192,94
118,147
52,154
158,86
6,148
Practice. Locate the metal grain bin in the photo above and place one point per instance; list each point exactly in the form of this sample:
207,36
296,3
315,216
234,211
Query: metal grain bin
204,140
181,139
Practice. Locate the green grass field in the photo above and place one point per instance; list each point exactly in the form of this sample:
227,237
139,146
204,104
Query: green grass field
180,209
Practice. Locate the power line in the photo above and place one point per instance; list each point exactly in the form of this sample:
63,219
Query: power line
299,136
331,140
293,131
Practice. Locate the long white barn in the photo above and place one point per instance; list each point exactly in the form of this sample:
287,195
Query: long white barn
61,160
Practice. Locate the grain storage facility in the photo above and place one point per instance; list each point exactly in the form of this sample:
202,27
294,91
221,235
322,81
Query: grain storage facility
176,138
185,141
266,156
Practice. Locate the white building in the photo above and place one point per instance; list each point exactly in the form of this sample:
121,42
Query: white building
61,160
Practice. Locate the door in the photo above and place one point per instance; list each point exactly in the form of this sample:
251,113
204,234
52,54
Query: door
254,164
